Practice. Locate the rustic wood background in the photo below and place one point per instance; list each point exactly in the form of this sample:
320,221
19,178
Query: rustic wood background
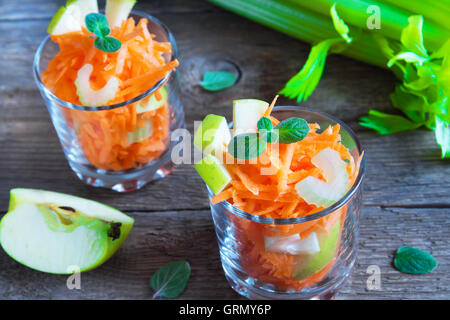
407,189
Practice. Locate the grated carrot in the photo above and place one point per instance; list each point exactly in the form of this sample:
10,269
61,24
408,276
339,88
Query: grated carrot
273,195
139,64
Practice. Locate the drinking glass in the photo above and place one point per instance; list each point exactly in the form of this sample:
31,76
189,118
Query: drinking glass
102,145
257,274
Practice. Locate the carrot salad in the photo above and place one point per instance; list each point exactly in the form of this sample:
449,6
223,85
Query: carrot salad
274,196
120,138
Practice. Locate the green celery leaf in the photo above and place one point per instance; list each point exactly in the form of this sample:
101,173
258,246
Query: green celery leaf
412,37
170,280
407,56
443,51
340,25
442,134
414,261
384,123
302,85
425,77
413,105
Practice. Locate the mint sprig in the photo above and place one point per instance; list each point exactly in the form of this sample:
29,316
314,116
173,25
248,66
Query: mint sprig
98,24
252,145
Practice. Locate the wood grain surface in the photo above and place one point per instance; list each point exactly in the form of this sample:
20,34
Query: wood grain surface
406,197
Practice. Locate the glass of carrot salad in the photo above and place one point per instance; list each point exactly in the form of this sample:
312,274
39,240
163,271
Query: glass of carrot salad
111,87
285,194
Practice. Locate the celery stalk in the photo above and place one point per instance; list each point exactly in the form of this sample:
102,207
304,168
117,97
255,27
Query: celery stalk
437,11
302,24
393,19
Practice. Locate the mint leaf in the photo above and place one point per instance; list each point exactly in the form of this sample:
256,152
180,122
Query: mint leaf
292,130
247,146
98,24
384,123
265,124
217,80
107,44
170,280
413,260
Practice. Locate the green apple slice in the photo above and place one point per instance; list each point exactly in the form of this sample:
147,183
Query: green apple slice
89,96
51,232
142,133
86,7
152,103
246,114
66,19
320,193
212,135
70,18
213,173
309,264
292,244
117,11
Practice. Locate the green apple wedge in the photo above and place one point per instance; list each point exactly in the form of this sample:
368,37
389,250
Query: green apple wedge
117,11
213,173
53,232
70,18
321,193
246,114
309,264
152,103
212,135
86,7
89,96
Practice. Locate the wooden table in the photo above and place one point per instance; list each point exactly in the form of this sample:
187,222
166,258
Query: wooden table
407,190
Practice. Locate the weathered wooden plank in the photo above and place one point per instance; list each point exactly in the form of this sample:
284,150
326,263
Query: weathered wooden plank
404,170
162,237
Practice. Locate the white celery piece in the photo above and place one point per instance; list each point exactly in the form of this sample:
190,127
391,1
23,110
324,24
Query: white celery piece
293,244
89,96
321,193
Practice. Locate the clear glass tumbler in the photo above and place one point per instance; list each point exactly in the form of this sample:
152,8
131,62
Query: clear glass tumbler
258,274
138,152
